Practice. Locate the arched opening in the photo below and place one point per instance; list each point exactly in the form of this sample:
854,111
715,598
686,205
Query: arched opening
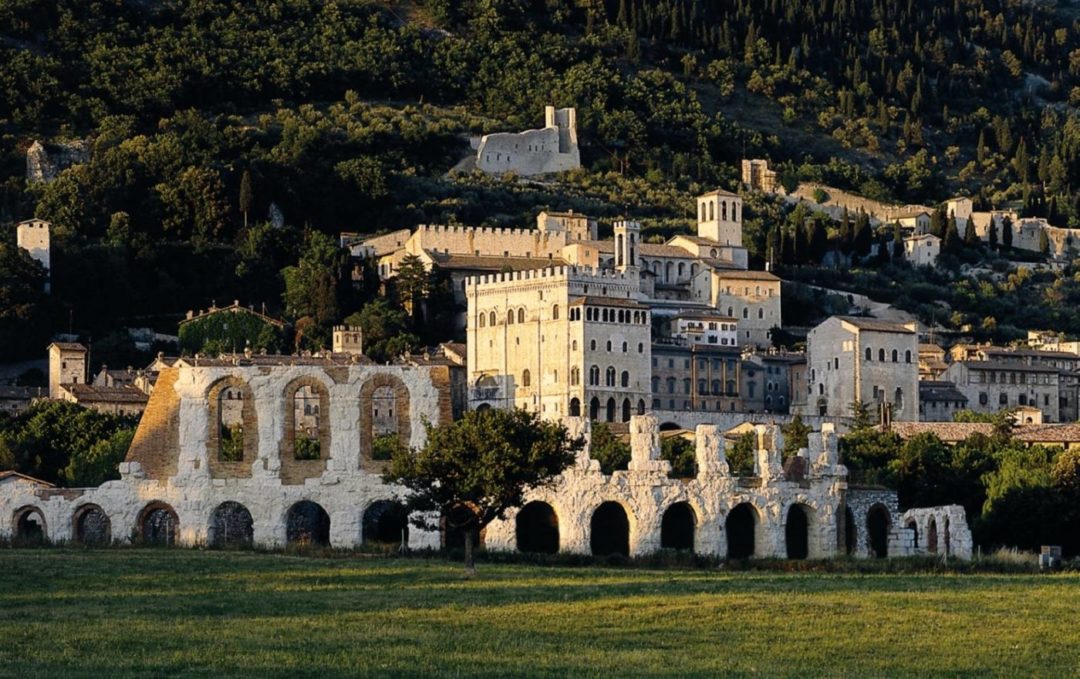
91,526
914,527
669,426
384,415
307,524
851,536
455,525
306,421
877,528
677,527
740,525
609,530
611,410
231,526
537,528
931,537
30,527
158,525
594,409
230,401
232,441
626,410
575,407
945,533
797,532
385,526
641,406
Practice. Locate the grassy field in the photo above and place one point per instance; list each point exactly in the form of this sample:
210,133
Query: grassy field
187,613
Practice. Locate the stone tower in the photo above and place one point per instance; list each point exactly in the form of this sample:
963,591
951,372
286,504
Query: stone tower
627,239
348,339
67,365
719,217
33,236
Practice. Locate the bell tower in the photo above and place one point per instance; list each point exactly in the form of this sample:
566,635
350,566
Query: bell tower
719,217
627,240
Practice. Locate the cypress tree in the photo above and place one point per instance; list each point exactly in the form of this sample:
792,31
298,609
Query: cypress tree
863,236
898,241
970,239
1006,232
952,237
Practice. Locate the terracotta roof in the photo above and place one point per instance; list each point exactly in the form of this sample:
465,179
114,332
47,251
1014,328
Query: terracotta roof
88,393
491,263
876,325
719,192
697,240
1007,365
68,346
11,474
952,432
664,250
742,274
931,347
1033,353
930,390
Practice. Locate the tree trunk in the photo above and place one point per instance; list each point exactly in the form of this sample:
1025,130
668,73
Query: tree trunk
470,563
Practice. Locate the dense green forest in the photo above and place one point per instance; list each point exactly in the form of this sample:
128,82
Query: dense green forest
348,115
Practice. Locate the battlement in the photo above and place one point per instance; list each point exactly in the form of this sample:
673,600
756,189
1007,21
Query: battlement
575,274
488,231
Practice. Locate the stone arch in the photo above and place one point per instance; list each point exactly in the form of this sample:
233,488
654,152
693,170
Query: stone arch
158,525
609,530
232,442
914,527
626,410
30,527
677,527
610,410
521,315
90,525
877,531
393,419
932,536
537,528
575,407
307,524
670,426
305,445
740,526
594,409
641,406
230,526
385,526
797,531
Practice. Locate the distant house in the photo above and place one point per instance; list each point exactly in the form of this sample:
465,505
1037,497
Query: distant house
939,401
922,250
229,329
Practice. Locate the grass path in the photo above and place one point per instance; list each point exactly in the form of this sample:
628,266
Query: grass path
186,613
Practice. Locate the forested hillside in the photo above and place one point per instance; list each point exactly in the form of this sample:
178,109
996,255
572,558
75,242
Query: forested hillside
347,116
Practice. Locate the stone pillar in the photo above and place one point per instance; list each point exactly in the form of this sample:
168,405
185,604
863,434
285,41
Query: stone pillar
710,454
770,443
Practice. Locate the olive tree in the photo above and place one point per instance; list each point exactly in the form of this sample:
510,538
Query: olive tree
472,471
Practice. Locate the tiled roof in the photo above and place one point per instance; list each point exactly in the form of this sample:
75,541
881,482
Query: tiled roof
951,432
741,274
88,393
10,474
930,390
876,325
68,346
719,192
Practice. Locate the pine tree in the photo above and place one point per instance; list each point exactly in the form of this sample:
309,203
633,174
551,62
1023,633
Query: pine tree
246,196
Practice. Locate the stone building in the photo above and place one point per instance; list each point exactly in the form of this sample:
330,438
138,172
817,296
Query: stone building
553,148
32,235
562,342
939,401
752,298
922,250
67,365
697,377
772,380
756,176
863,359
994,385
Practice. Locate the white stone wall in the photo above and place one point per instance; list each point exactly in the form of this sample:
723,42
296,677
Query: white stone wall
552,148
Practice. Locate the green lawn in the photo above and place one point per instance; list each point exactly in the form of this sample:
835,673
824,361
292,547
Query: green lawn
166,613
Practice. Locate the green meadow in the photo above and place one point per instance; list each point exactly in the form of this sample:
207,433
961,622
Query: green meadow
127,612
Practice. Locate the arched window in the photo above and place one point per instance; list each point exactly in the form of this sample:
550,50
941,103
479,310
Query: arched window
624,379
716,387
895,356
521,315
624,347
641,406
712,210
898,399
575,408
510,317
641,347
746,312
575,376
702,206
761,313
682,269
306,423
723,210
881,355
483,320
555,312
731,312
702,387
592,345
655,384
594,376
610,376
609,346
907,356
491,319
869,354
671,385
526,378
686,385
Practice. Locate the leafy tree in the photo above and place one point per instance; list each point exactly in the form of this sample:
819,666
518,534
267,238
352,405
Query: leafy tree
485,462
413,284
1044,242
101,462
311,287
25,310
682,454
862,417
607,449
229,332
740,455
385,331
796,435
868,452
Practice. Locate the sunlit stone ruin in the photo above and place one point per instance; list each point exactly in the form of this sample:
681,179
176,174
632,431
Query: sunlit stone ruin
275,451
